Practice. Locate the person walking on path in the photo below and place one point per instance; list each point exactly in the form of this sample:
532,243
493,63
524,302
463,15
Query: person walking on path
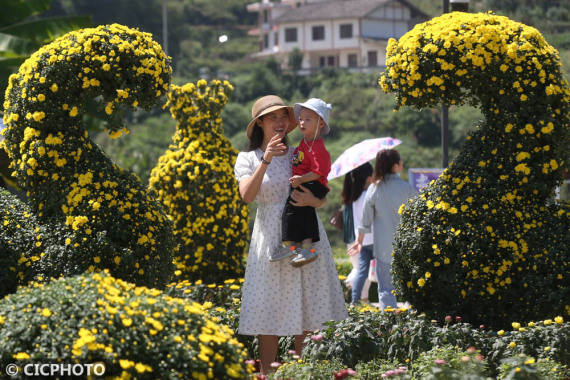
277,298
383,199
353,195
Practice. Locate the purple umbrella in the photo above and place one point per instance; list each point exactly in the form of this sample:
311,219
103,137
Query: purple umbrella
359,154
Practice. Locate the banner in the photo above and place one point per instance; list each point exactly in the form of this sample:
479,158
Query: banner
420,177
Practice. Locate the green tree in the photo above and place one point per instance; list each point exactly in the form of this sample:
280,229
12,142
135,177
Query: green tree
22,33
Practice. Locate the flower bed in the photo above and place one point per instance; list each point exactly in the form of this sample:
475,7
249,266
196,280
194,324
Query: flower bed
134,331
406,337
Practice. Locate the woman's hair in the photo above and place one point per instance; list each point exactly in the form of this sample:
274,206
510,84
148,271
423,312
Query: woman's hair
385,161
354,183
256,139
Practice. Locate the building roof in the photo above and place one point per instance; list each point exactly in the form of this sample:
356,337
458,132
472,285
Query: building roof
338,9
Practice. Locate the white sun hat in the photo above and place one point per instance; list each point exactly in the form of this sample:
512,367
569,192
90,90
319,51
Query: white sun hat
320,107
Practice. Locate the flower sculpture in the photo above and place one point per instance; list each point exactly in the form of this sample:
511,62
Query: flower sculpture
195,182
486,240
100,211
135,332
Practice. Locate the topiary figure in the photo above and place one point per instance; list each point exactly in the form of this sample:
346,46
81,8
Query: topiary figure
135,332
486,241
195,182
99,209
17,239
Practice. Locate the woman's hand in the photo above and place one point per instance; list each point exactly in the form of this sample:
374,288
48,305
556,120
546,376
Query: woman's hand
275,147
354,249
303,197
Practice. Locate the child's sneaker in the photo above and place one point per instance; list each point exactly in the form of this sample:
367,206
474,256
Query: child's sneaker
284,253
304,256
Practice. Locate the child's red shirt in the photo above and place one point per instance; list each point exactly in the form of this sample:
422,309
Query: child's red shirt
312,157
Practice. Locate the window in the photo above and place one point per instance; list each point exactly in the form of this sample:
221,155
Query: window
318,33
290,34
346,31
265,41
276,38
330,60
352,60
372,58
265,16
322,61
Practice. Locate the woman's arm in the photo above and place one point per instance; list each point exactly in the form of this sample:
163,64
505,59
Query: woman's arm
303,197
248,187
368,211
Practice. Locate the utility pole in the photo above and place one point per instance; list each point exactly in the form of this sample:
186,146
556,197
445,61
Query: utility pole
164,28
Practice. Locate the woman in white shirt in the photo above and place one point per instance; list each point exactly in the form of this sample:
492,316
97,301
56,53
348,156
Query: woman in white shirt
353,194
383,199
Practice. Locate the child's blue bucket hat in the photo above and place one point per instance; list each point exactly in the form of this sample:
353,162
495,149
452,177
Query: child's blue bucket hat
320,107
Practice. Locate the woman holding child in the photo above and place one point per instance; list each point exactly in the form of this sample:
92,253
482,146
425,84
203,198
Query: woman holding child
279,296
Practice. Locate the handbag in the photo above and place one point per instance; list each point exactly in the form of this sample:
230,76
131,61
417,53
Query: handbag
336,219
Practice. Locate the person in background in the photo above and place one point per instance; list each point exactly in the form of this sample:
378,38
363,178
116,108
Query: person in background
383,199
353,194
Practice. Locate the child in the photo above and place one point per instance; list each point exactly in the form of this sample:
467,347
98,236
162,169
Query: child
311,166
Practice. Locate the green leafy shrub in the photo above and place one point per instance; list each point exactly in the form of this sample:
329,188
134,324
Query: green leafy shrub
368,334
527,368
315,370
24,242
485,241
401,335
448,358
108,218
134,331
15,242
194,181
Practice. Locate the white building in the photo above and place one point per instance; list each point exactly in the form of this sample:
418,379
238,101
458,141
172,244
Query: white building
351,34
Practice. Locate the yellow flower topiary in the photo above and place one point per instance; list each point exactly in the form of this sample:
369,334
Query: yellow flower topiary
487,231
102,214
195,182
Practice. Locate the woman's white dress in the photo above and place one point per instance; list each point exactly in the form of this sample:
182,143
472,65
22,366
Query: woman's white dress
278,299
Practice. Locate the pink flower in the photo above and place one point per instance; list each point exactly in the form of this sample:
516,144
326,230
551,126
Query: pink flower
317,338
275,365
344,373
458,319
439,361
292,352
448,318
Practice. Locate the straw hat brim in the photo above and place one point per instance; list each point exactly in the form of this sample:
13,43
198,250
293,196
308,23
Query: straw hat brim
292,120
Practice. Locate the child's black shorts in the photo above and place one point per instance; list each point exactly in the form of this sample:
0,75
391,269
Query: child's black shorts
300,223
